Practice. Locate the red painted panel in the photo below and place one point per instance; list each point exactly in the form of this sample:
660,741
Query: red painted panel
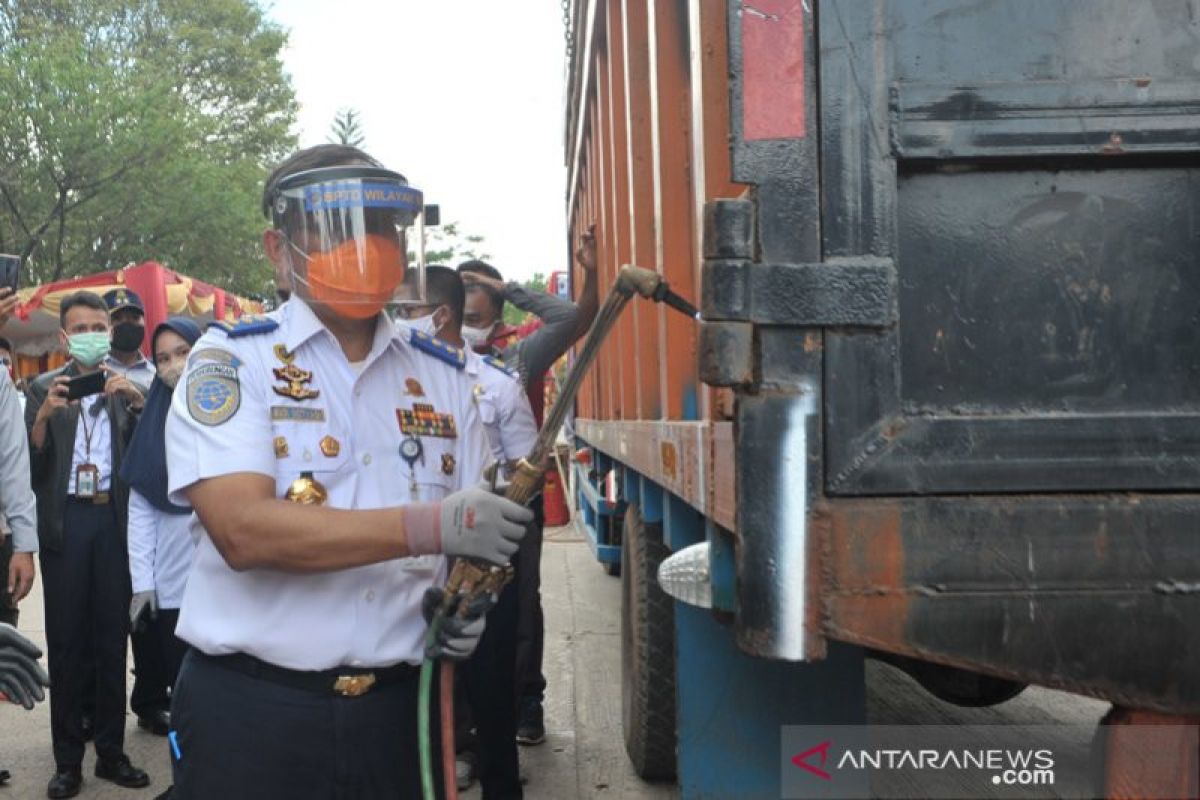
773,69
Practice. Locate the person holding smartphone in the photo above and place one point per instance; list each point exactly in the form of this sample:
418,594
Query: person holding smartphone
127,315
76,448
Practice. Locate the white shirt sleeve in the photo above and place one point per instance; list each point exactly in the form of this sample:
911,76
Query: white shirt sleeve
17,502
219,422
518,430
143,536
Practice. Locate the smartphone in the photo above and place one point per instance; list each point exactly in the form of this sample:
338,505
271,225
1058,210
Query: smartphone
86,385
10,271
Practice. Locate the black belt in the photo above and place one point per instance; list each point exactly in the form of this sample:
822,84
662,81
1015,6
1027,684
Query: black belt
343,681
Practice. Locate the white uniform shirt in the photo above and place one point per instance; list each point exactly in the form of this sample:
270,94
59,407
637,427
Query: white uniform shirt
505,419
160,550
367,616
500,426
93,443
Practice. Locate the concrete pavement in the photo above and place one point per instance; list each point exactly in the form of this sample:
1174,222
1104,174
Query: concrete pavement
581,758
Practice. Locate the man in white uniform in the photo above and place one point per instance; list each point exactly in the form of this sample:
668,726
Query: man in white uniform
504,432
319,448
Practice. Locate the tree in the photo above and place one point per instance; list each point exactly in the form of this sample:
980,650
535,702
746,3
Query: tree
135,130
347,128
514,315
444,245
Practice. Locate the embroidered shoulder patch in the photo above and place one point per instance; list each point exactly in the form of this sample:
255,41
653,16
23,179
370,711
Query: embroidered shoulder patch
246,325
454,356
214,393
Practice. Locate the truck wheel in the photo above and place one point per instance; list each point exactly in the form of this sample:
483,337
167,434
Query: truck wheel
647,652
616,536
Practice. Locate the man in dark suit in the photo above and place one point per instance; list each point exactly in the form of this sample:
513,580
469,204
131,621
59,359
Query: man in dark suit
76,449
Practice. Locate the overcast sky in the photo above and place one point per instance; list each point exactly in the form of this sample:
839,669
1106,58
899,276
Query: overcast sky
464,98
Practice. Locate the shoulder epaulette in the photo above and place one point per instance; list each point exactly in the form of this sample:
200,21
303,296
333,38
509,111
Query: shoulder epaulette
454,356
246,325
492,361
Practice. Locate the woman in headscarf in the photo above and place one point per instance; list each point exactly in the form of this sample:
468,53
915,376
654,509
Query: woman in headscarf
160,544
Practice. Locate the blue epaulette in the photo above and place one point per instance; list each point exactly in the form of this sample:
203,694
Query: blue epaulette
492,361
246,325
454,356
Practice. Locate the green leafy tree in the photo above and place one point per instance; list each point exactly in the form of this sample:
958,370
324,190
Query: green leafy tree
514,315
347,128
135,130
447,246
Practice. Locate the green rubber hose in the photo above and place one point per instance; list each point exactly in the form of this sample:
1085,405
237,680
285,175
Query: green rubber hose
424,698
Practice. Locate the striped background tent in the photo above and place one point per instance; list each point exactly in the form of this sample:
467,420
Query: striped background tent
33,330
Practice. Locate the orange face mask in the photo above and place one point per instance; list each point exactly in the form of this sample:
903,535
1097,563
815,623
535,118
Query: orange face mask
352,285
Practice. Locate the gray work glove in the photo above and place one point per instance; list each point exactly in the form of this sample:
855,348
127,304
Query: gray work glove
140,604
477,524
21,677
460,633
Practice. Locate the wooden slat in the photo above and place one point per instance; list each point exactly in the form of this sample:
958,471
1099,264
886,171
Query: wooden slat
692,460
671,132
641,198
618,178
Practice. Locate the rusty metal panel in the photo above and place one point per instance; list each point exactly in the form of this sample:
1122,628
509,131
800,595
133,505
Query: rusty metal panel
1092,594
1039,206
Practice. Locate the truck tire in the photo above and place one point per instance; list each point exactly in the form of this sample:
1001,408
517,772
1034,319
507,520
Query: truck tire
647,652
617,536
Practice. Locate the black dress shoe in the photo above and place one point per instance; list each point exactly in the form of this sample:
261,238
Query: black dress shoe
122,773
157,722
89,728
65,783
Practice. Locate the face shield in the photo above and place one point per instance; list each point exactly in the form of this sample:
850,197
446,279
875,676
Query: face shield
348,230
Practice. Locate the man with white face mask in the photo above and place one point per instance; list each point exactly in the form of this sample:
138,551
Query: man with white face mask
530,351
76,448
501,430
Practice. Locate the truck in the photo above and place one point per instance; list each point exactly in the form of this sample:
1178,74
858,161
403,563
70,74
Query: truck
941,407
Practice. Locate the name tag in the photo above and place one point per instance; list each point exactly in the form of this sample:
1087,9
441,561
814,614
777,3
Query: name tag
87,479
297,414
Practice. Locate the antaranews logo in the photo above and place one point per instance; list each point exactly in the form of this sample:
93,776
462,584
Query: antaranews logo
913,761
821,751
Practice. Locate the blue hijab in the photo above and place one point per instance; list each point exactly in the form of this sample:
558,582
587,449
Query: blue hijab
145,464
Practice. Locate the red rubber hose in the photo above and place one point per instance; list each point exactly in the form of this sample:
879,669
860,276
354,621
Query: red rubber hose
446,695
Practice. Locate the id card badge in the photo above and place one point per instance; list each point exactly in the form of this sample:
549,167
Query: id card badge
87,477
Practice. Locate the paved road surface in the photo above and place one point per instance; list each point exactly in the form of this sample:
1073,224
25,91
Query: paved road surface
583,756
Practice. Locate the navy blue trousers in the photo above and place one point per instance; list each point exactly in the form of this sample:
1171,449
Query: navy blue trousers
86,589
246,738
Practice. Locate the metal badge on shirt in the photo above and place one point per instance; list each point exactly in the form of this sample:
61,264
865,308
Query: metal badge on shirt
293,377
